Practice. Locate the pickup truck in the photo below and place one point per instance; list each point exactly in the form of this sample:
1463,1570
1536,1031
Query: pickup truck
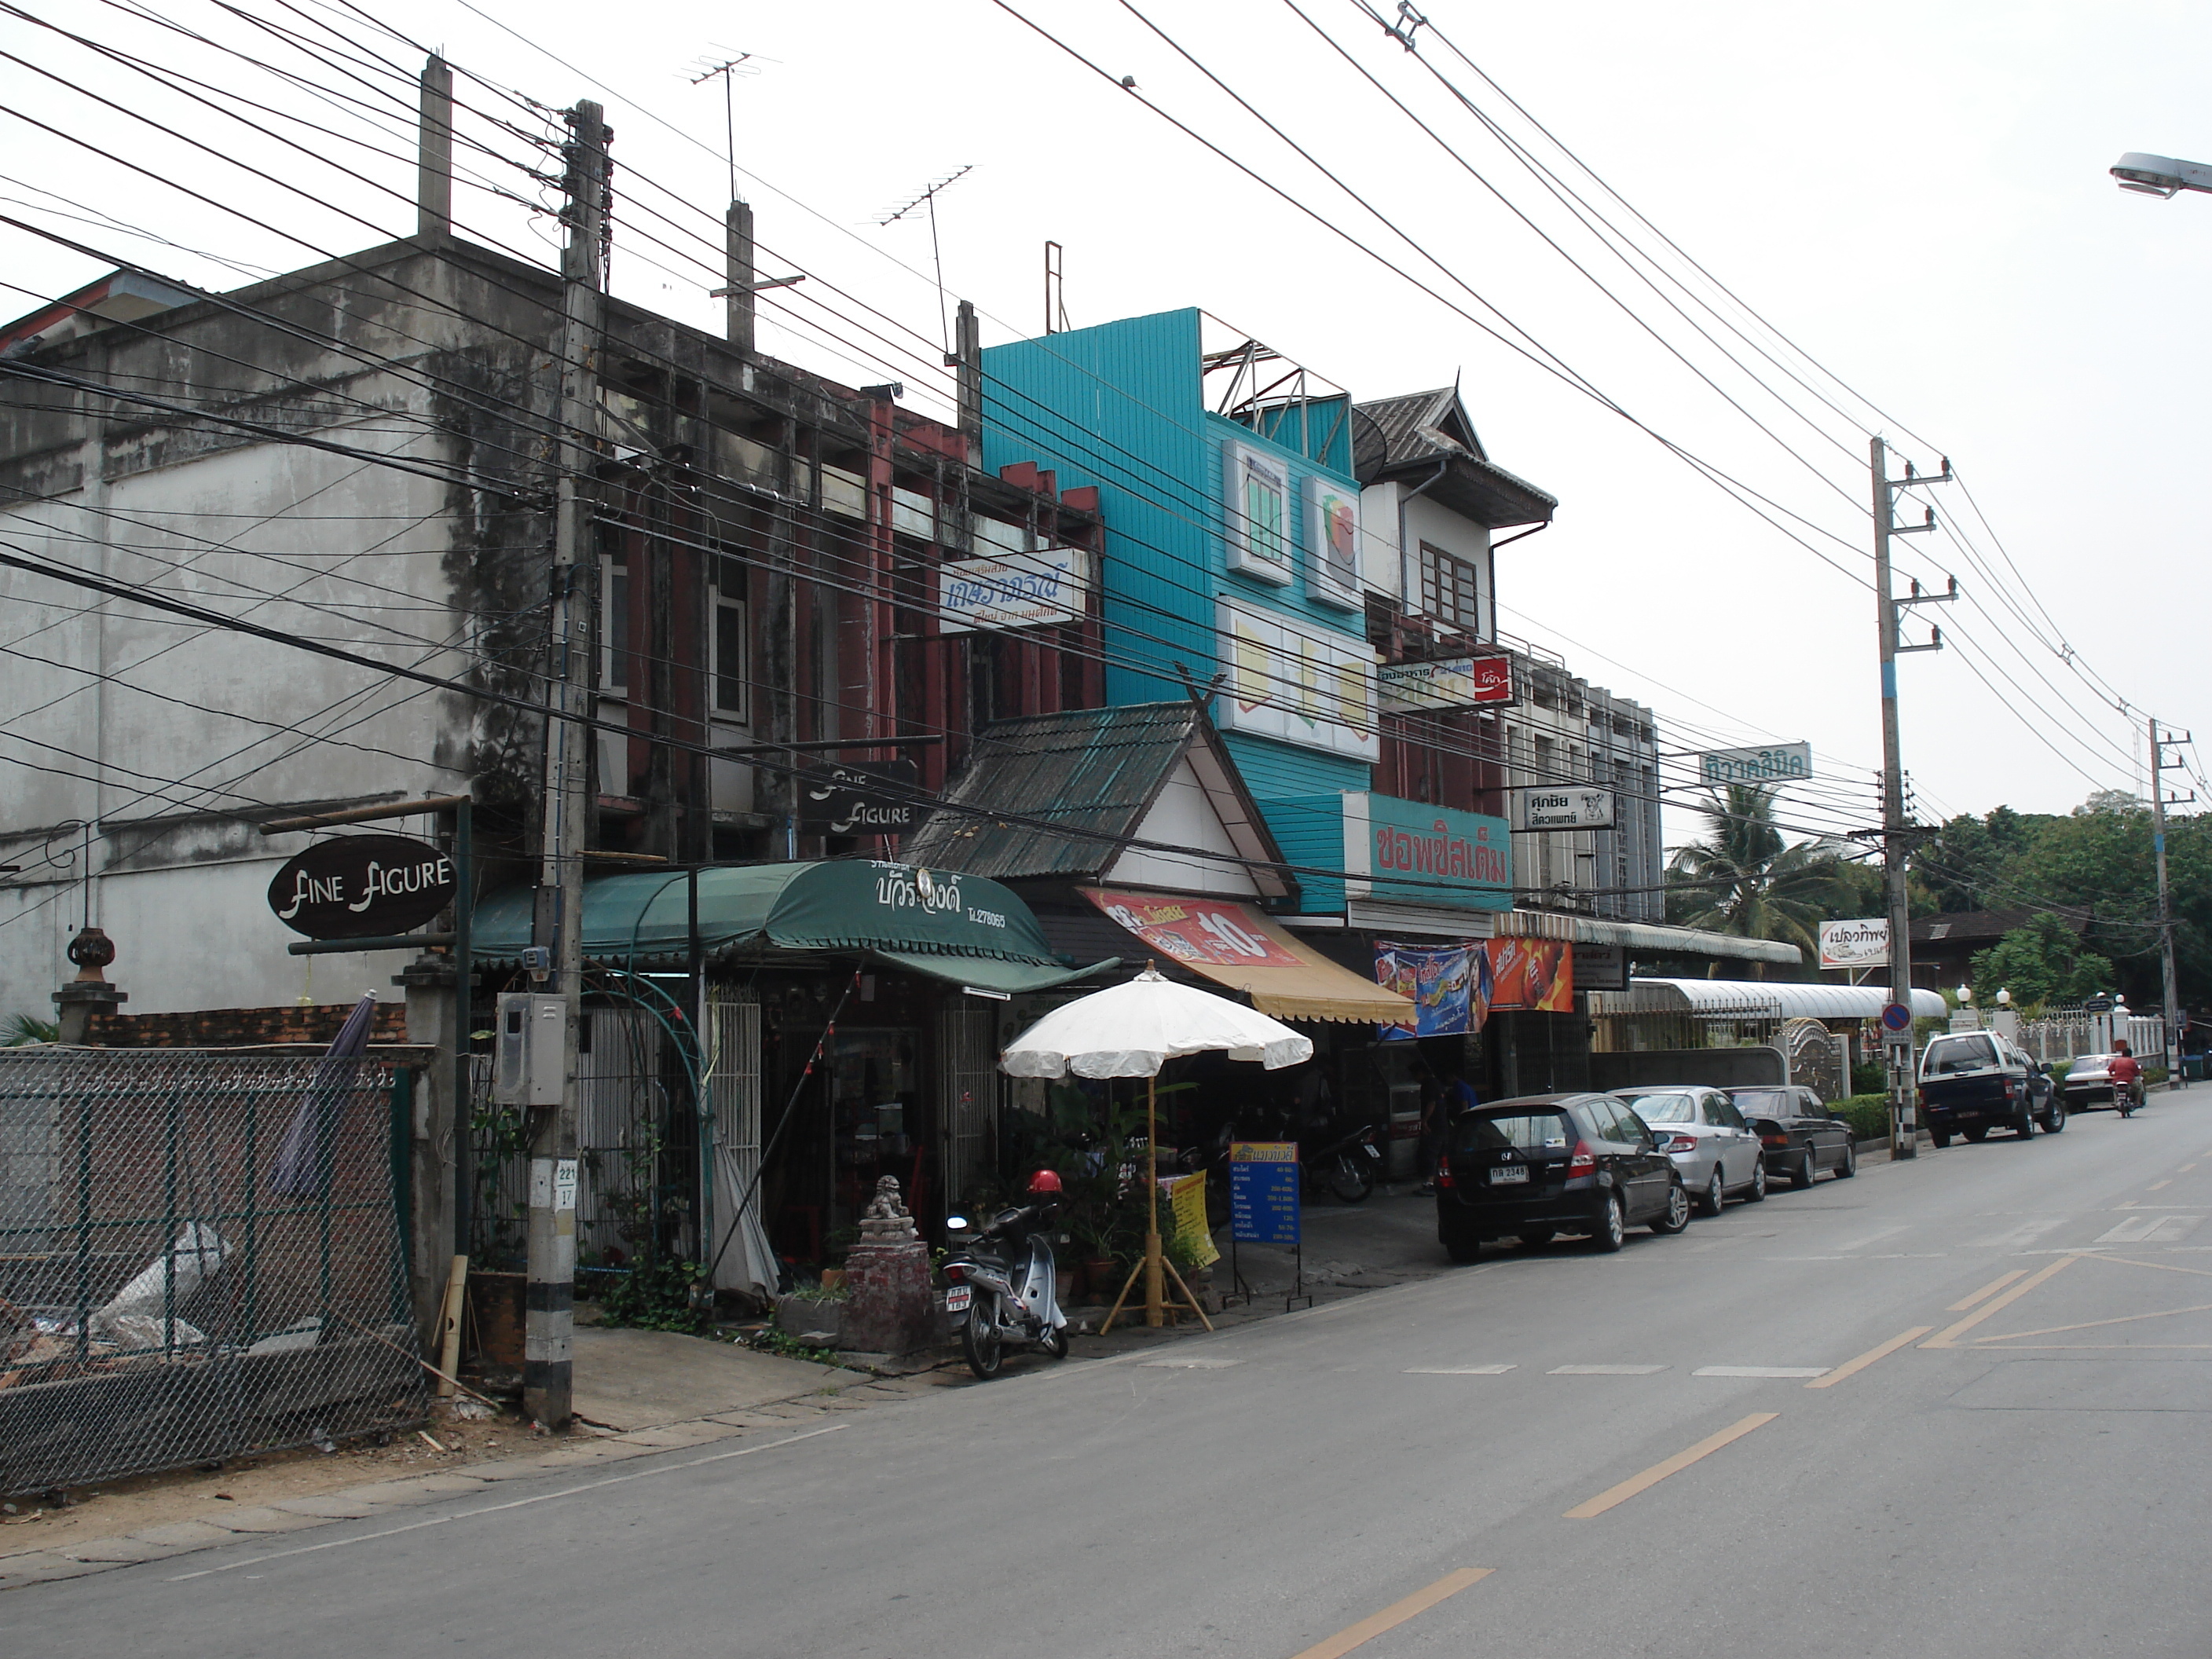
1972,1082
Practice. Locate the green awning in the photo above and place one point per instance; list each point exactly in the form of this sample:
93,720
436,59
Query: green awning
963,929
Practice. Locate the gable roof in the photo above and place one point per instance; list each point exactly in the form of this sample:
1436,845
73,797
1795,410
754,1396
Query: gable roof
1428,434
1097,774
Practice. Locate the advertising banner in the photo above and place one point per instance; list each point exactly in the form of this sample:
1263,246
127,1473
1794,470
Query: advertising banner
1845,944
1333,543
1455,683
1450,985
1197,930
1601,968
1531,976
1297,681
1187,1203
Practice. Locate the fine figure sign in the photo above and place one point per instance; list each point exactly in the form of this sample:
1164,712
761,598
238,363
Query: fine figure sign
363,887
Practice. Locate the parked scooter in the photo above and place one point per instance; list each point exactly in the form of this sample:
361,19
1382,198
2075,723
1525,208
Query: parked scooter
1004,1281
1348,1168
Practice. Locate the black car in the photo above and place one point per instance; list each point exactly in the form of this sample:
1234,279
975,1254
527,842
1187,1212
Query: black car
1798,1136
1972,1082
1544,1164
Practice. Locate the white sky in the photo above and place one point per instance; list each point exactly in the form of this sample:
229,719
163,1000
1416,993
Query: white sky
1917,196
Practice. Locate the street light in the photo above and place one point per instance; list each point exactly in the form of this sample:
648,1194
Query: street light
2162,176
2005,998
1966,994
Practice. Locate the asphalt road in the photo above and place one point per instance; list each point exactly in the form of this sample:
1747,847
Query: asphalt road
2027,1473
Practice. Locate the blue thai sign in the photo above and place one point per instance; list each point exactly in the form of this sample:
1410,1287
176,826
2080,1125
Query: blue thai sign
1417,853
1263,1192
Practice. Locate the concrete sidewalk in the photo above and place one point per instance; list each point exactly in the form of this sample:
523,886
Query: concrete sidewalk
630,1379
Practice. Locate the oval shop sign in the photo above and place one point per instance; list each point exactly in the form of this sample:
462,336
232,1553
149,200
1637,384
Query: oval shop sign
357,886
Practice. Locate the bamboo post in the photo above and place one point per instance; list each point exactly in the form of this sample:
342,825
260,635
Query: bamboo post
449,1326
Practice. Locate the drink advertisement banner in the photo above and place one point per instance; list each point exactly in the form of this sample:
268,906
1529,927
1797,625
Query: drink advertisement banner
1453,682
1211,931
1456,987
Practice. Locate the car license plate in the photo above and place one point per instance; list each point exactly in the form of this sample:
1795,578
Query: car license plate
956,1298
1508,1174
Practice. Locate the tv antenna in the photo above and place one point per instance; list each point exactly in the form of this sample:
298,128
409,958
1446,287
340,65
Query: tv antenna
926,197
729,68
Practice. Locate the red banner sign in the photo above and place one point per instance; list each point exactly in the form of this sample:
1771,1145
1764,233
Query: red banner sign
1217,933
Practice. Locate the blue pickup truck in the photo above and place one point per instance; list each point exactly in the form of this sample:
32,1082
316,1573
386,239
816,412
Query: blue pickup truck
1972,1082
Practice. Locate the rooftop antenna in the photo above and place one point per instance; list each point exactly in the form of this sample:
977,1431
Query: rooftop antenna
1056,296
926,197
729,69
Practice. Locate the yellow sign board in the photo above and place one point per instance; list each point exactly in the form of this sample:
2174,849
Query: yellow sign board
1186,1200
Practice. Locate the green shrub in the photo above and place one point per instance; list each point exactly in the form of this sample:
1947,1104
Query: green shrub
1867,1115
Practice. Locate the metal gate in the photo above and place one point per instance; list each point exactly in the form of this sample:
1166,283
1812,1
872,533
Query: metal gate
739,1251
970,1086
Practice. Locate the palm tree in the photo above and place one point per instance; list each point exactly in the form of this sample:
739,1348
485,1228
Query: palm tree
1743,878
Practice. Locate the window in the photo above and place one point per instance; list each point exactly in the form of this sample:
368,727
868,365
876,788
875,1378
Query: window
1451,588
1665,1108
1482,1132
729,677
614,625
1949,1055
1722,1114
1258,492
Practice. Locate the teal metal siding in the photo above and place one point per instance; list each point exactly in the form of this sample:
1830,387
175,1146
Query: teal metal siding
1310,828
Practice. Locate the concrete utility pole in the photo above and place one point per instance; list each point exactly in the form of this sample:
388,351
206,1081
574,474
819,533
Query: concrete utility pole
558,926
2175,1020
1897,1045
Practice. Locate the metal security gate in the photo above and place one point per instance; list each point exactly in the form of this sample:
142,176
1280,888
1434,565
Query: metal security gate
969,1085
200,1256
740,1253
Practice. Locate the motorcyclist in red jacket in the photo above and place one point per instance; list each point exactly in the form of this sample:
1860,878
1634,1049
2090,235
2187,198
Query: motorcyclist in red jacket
2127,1076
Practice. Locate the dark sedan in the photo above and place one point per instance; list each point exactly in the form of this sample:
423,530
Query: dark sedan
1544,1165
1798,1136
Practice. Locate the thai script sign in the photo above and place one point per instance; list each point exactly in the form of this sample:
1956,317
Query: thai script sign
1854,944
1023,590
1601,968
910,887
1263,1192
1571,807
1454,682
361,887
1209,931
1415,854
856,798
1297,681
1779,762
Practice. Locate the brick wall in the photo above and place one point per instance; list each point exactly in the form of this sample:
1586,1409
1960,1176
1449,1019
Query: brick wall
238,1028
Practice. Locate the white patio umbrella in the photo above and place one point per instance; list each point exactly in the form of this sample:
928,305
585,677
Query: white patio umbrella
1132,1030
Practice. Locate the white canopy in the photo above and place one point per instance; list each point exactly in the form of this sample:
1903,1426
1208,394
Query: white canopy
1760,999
1133,1030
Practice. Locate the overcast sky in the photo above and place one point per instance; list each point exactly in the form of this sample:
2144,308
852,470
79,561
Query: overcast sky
1916,197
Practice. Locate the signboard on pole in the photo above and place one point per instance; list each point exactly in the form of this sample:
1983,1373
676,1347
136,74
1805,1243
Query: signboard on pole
1601,968
1569,807
1407,688
1263,1192
1846,945
1777,763
363,887
1022,590
860,798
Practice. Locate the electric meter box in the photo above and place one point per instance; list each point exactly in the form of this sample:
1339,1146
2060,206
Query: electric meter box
529,1064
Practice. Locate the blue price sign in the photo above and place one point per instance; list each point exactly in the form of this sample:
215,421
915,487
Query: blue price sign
1263,1192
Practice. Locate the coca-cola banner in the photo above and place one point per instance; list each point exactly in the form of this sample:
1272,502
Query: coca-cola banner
1456,987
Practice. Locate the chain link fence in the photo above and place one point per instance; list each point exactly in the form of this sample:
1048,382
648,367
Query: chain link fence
200,1256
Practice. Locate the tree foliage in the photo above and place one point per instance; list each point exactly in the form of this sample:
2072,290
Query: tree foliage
1745,878
2043,962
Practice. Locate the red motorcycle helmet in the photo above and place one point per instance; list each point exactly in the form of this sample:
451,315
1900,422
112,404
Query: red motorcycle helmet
1045,1183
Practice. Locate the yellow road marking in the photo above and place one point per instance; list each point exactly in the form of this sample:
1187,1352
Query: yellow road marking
1681,1460
1948,1337
2161,1266
1853,1367
2155,1185
2092,1324
1990,1289
2185,1169
1395,1614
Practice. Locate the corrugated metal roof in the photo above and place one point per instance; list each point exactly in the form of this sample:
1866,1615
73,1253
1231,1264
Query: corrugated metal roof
1418,430
1096,770
1760,999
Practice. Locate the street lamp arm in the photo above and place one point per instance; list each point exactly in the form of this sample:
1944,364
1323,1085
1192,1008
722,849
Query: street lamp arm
2161,175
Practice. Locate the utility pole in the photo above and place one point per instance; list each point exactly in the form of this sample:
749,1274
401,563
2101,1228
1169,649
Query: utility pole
558,933
2174,1018
1896,832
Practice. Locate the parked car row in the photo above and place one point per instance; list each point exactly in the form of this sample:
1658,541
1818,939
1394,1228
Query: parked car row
1598,1165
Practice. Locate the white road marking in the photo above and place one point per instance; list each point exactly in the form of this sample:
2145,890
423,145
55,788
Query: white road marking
1871,1238
1196,1363
2020,1238
1794,1371
2150,1230
1459,1370
1604,1370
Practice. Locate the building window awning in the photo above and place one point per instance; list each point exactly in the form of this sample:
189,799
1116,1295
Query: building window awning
963,929
1235,946
1763,999
1643,936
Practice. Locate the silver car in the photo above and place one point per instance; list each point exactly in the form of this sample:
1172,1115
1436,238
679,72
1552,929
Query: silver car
1716,1151
2087,1080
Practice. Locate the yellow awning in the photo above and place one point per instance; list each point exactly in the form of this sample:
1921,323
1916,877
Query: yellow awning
1236,945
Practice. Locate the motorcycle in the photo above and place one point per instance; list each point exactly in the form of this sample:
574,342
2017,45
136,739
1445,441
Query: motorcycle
1347,1167
1001,1283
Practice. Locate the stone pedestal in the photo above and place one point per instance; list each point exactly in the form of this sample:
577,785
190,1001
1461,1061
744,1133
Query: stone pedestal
891,1309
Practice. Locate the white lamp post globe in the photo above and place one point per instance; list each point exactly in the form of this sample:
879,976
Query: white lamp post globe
1965,993
2005,998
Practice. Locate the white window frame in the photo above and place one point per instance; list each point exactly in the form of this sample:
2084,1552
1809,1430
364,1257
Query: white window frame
613,653
1254,549
734,604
